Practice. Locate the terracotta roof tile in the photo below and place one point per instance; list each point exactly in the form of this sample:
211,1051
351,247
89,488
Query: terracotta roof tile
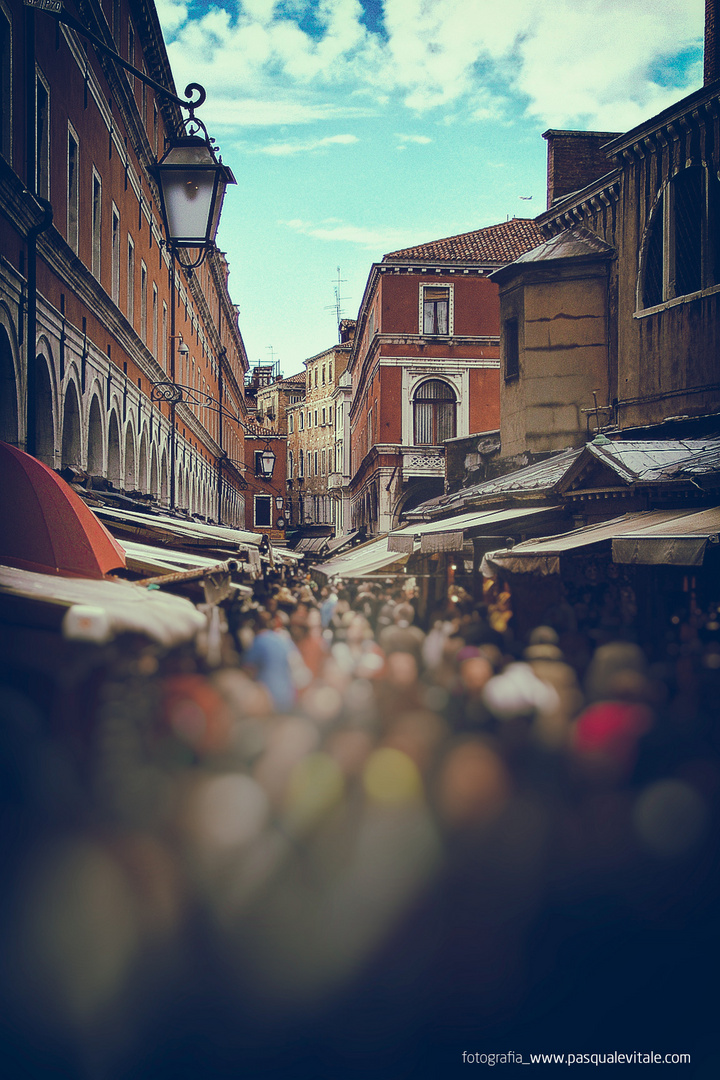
502,243
296,380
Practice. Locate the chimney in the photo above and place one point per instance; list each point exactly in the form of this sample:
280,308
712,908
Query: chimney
347,330
711,70
575,159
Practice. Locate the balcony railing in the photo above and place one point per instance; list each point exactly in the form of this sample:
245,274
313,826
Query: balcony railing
423,461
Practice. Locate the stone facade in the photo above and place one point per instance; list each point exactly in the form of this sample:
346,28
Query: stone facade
425,366
89,394
624,298
311,444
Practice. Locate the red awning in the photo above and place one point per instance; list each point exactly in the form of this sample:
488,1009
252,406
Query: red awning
45,526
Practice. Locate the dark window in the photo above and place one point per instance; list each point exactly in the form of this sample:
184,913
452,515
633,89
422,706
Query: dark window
96,224
512,349
73,192
687,195
434,413
5,87
436,310
653,277
42,140
263,511
686,215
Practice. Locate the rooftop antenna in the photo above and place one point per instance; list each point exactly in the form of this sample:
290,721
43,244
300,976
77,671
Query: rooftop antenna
338,300
274,363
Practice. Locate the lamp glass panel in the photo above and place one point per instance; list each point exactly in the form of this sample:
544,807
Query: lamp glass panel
188,202
268,462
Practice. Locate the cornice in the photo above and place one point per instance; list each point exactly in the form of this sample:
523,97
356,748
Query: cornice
574,209
706,97
78,278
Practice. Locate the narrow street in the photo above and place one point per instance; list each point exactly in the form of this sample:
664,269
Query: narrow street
353,845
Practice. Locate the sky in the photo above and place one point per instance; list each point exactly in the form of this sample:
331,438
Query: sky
358,127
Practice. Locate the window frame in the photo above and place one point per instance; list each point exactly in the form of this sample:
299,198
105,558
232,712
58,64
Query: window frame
661,233
6,86
435,419
448,287
130,280
72,221
511,349
143,301
42,137
96,223
262,500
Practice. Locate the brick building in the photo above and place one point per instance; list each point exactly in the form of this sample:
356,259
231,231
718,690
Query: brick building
85,296
612,321
312,439
265,495
425,365
274,398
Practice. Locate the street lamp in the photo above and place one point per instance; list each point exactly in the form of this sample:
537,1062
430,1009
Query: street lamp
191,182
267,463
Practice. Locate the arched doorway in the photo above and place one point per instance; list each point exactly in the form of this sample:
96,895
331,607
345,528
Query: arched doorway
154,472
8,392
71,456
95,463
143,463
434,413
44,413
114,470
164,480
130,470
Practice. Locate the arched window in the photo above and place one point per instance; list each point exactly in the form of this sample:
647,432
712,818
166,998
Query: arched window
681,254
434,409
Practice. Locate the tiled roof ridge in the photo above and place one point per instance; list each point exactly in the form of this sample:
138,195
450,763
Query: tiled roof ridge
501,242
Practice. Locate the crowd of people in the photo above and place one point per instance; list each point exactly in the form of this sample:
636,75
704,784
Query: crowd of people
360,847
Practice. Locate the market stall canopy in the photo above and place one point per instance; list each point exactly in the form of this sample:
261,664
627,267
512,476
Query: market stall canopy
671,537
286,556
99,611
651,463
339,542
536,481
149,560
681,542
46,527
169,529
363,560
312,543
450,533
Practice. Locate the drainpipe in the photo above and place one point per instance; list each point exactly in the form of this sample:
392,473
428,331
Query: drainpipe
221,357
31,338
33,233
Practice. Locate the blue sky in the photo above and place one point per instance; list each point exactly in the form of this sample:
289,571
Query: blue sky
356,128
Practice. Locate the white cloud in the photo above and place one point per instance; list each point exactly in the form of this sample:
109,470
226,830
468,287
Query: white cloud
172,14
253,112
419,140
335,231
307,147
592,62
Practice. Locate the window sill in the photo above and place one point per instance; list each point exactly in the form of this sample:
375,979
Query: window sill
676,301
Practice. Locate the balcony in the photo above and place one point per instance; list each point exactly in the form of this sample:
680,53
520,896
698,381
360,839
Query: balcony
423,461
337,480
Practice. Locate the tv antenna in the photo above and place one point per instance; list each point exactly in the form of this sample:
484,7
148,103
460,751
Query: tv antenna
337,306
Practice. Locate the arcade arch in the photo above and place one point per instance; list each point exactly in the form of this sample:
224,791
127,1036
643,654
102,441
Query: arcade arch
96,441
71,454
